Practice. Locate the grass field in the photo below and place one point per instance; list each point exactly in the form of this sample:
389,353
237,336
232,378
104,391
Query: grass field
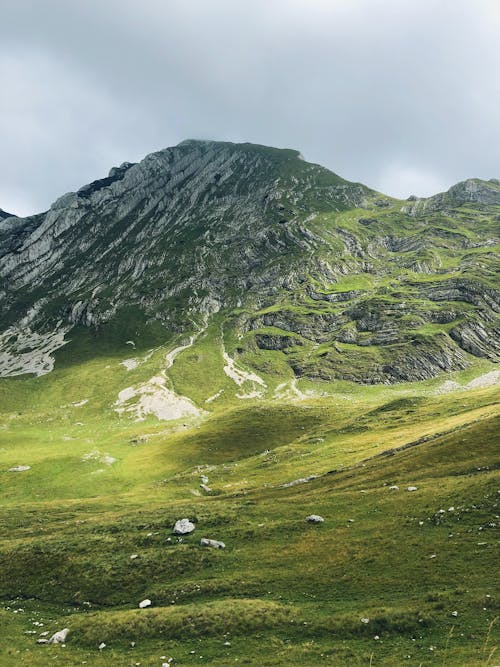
420,568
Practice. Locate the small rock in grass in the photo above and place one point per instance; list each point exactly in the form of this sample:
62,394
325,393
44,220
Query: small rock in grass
42,641
215,544
394,487
183,527
365,620
145,603
412,488
454,613
59,637
314,518
205,488
101,646
134,556
19,468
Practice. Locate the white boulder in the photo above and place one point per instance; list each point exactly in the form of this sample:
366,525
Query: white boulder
314,518
183,527
59,637
215,544
145,603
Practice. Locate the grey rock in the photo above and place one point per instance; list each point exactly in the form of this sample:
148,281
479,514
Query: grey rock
183,527
4,215
314,518
301,480
59,637
275,341
215,544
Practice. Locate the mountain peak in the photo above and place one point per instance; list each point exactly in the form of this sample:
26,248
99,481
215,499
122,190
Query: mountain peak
5,214
476,190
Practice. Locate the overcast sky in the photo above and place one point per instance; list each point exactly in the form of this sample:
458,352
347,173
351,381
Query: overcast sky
403,95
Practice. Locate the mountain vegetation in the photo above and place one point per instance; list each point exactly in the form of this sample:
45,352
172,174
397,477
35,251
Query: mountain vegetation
229,334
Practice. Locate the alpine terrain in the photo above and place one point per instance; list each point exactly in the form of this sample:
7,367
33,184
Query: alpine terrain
249,414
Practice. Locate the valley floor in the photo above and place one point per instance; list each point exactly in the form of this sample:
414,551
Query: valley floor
392,576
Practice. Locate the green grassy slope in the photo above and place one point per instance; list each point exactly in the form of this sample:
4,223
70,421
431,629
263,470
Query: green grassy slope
283,591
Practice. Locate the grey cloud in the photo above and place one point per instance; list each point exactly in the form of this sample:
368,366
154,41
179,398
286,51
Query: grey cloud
400,95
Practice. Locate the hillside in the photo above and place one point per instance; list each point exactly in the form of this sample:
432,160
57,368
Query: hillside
229,334
339,281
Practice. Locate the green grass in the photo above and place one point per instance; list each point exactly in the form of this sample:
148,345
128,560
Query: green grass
283,591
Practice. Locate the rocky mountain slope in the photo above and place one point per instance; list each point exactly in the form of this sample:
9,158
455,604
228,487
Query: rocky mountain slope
218,337
299,268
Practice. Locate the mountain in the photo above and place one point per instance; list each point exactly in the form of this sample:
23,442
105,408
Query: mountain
4,214
301,367
339,281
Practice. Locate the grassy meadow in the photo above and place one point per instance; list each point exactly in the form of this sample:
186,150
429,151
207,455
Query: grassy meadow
391,577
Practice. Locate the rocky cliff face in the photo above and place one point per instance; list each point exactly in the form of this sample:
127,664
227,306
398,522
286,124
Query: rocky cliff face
339,280
4,214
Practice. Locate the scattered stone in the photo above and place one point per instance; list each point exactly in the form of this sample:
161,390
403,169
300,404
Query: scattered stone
139,439
454,613
183,527
394,487
205,488
215,544
42,641
145,603
134,556
99,457
314,518
19,468
129,364
101,646
301,480
59,637
365,620
412,488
